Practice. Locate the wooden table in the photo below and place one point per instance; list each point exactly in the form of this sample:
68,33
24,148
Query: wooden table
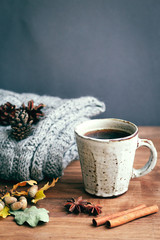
70,226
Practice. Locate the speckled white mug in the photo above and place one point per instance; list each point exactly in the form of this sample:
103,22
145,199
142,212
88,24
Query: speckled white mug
107,164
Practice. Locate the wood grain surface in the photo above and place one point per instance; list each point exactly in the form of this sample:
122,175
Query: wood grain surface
62,225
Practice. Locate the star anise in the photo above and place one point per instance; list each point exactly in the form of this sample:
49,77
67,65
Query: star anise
76,205
94,209
34,112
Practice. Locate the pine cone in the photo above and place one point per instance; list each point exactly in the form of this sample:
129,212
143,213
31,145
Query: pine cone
34,112
20,125
7,112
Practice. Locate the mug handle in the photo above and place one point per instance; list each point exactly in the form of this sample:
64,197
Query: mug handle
148,167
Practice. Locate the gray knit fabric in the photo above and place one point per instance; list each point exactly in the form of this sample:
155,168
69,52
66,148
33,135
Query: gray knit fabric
51,146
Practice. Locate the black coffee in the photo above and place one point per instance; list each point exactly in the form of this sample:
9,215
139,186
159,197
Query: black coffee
107,134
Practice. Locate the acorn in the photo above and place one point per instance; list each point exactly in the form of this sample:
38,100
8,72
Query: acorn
32,191
23,200
16,206
1,205
10,200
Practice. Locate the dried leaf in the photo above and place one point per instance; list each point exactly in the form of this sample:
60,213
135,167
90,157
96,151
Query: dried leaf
22,184
6,195
18,194
40,194
47,186
31,215
5,212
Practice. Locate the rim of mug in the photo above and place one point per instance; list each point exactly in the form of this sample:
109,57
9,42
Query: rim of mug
107,140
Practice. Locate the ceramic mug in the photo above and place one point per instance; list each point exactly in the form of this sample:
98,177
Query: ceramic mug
107,164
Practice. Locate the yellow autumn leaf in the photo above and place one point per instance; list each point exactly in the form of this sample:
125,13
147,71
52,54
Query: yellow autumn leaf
5,212
40,194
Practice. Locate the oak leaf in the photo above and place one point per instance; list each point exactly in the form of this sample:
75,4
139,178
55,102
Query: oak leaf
31,215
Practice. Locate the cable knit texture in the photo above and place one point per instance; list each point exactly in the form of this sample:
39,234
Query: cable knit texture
51,146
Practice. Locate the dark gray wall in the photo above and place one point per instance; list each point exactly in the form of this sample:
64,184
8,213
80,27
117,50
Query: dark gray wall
109,49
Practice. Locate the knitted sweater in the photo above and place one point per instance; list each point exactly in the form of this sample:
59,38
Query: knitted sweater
51,146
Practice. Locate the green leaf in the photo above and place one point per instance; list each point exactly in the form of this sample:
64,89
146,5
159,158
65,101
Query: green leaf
31,215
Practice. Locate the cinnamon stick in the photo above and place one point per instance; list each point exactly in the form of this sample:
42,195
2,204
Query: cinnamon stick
102,220
131,216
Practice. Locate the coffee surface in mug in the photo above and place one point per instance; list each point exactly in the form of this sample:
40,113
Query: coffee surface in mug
107,134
